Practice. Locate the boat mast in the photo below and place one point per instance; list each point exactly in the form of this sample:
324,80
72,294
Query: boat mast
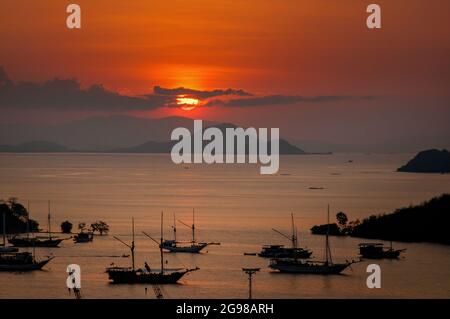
132,243
193,226
294,232
161,244
328,259
28,219
174,228
48,217
4,229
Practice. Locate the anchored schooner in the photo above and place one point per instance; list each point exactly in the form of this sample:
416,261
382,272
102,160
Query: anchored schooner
132,275
47,241
13,260
193,246
279,251
295,265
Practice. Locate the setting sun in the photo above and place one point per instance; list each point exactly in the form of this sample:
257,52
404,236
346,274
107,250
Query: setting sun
187,103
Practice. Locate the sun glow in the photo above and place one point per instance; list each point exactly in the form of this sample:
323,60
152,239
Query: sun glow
187,103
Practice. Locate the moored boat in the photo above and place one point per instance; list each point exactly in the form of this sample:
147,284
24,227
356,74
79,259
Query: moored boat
298,266
37,241
21,261
13,260
280,251
132,275
378,251
307,267
83,237
192,246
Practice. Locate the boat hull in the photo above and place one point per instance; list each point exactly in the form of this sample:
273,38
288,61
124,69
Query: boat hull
18,242
184,249
301,254
333,269
129,276
25,267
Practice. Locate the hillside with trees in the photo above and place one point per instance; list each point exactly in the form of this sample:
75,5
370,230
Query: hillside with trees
426,222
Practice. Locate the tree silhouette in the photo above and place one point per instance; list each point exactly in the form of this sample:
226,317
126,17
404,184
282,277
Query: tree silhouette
66,227
342,219
100,226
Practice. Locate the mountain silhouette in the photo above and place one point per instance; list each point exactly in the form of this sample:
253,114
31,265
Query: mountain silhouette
429,161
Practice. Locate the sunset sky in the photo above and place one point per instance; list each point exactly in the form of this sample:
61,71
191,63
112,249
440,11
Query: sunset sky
352,80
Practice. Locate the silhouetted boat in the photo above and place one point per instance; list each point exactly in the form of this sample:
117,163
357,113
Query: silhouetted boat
19,241
4,249
13,260
36,241
377,251
279,251
21,261
175,246
83,237
297,266
131,275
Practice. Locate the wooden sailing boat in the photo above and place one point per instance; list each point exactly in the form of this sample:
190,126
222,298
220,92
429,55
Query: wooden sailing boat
377,251
127,275
13,260
193,246
48,241
279,251
297,266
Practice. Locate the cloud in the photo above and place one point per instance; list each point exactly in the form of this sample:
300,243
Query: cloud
282,100
67,94
197,93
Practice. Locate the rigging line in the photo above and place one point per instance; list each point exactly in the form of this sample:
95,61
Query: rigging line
179,260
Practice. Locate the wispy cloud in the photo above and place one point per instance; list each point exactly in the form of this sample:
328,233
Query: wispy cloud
198,93
282,100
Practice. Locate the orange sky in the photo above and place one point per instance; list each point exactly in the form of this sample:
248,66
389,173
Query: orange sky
289,47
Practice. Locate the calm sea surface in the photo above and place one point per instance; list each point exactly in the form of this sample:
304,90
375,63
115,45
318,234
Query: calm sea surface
234,205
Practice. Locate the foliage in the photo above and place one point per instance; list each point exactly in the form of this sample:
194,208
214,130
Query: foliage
16,217
66,227
428,221
100,226
333,229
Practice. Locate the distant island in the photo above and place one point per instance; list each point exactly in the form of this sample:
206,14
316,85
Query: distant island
150,147
109,134
430,161
34,147
427,222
